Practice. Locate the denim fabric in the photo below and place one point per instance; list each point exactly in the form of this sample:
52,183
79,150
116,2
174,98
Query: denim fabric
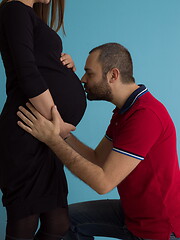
99,218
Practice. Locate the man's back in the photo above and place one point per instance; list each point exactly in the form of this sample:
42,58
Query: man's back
150,193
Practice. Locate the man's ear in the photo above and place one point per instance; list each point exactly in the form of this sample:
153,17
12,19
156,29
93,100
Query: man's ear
113,75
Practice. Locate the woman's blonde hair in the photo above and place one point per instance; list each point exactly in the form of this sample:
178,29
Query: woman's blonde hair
52,13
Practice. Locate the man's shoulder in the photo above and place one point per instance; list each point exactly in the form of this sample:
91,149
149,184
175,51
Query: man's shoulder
148,103
148,107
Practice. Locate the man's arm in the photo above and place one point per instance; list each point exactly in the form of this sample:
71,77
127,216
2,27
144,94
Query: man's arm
102,179
114,169
97,156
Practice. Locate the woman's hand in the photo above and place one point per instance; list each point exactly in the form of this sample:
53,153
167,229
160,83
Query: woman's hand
66,59
44,130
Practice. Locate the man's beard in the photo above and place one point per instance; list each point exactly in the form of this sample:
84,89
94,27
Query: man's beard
101,91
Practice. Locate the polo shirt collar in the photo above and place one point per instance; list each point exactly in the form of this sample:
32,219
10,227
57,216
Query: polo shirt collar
133,97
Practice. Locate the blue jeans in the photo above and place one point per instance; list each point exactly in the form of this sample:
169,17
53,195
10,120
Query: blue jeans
99,218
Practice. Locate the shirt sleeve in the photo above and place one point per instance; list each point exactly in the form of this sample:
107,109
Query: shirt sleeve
19,32
138,135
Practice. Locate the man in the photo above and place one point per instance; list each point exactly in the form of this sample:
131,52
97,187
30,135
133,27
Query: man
138,155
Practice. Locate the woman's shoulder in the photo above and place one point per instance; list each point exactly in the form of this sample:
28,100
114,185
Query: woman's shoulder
13,8
16,11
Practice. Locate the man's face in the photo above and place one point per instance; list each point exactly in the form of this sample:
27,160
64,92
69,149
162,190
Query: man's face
95,85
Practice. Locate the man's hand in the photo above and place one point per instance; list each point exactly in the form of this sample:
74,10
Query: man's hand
66,60
41,128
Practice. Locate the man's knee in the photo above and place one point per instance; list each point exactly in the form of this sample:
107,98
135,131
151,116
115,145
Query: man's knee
81,212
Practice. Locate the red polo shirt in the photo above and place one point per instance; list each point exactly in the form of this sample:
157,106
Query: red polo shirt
150,194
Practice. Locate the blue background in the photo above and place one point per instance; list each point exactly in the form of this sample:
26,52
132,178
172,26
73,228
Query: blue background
150,29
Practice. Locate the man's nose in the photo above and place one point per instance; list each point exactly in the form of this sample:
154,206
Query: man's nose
83,79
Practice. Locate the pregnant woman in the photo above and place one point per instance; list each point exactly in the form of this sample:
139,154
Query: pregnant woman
32,179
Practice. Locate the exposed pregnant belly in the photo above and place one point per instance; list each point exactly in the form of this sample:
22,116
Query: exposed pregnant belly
67,92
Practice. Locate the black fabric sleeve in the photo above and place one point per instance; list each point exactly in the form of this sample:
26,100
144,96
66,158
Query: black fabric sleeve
19,31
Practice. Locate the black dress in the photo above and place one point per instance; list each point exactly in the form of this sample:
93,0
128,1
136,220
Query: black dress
31,177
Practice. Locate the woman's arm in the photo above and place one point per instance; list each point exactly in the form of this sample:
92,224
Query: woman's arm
18,28
43,103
